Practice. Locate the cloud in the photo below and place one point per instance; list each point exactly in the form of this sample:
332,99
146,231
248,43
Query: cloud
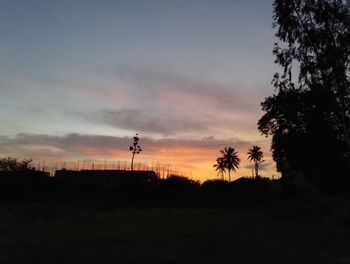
154,122
152,101
78,146
76,143
162,84
182,119
166,103
193,154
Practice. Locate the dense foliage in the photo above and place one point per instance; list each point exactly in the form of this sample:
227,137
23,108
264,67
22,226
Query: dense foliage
14,164
309,119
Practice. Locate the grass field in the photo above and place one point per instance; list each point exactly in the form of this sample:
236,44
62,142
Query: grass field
290,231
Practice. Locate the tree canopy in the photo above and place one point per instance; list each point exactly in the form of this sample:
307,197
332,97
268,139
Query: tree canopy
308,117
229,160
14,164
255,154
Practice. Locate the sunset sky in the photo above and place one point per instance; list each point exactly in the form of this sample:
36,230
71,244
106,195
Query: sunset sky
78,79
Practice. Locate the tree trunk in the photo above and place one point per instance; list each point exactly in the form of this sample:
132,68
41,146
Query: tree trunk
132,161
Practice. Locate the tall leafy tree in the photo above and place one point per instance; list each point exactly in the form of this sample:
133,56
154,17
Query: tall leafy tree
255,154
309,114
316,35
230,160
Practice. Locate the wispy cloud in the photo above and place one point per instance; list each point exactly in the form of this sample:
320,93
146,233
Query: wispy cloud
159,85
153,122
166,103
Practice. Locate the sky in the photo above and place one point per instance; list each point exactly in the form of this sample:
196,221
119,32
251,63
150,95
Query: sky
78,79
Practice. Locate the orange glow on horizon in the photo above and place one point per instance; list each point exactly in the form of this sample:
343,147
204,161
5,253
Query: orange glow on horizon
193,162
191,158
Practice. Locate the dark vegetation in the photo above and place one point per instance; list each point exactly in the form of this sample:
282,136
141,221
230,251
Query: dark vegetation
308,117
29,185
172,191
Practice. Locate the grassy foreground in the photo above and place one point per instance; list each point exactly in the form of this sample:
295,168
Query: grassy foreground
290,231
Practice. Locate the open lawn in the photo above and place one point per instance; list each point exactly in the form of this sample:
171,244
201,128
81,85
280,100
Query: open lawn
290,231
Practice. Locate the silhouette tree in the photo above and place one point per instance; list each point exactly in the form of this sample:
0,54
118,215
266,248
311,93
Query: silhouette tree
293,119
135,149
256,155
284,120
230,160
316,34
220,167
13,164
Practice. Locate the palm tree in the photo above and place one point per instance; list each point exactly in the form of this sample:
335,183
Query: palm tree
220,167
230,159
256,155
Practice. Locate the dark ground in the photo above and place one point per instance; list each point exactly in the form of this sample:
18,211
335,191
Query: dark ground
294,230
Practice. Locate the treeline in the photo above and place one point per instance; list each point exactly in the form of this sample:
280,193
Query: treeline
20,182
36,186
